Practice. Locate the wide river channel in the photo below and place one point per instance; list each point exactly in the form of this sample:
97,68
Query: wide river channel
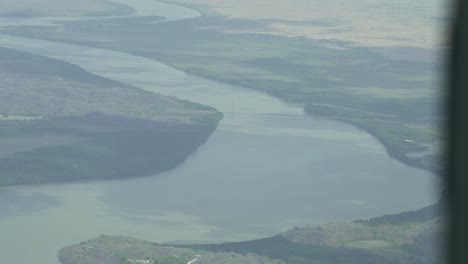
256,176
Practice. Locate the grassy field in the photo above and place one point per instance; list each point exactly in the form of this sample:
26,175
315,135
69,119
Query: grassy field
370,23
396,100
60,123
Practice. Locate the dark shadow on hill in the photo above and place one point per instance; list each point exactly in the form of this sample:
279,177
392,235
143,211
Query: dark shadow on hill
113,147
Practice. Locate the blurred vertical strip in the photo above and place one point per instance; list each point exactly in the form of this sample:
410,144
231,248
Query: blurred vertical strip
457,246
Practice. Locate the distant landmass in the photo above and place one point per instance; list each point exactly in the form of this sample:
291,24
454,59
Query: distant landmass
407,238
394,98
61,123
124,250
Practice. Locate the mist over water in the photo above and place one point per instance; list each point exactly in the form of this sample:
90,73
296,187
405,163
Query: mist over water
256,176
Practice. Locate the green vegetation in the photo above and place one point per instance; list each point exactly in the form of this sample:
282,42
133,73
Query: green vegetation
61,123
407,238
172,260
395,133
295,253
98,147
35,86
388,239
393,99
422,215
119,250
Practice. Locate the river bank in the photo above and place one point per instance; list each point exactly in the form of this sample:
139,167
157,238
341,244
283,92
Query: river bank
213,196
80,126
396,102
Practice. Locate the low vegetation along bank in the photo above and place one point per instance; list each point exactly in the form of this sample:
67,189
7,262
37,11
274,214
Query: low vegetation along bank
123,250
392,98
407,238
60,123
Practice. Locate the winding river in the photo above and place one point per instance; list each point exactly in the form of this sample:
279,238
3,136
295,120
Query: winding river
256,175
